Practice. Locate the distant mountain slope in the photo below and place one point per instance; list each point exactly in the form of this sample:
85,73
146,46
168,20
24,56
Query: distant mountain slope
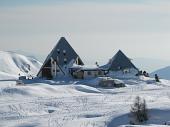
40,57
163,73
12,64
150,64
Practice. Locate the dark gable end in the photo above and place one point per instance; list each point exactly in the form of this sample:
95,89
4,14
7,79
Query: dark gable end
63,53
121,61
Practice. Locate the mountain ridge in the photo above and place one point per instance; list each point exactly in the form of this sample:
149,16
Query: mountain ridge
13,64
163,72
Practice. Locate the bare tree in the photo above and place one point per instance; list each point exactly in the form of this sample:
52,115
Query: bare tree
139,112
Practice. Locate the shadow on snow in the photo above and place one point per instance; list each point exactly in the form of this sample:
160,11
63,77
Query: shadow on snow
156,116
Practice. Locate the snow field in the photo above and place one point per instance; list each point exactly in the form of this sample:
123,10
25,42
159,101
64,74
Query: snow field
44,105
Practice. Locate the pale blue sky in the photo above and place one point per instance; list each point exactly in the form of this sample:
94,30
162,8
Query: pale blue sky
47,2
96,29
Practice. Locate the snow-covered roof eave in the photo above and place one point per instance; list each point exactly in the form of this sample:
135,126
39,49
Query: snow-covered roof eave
88,68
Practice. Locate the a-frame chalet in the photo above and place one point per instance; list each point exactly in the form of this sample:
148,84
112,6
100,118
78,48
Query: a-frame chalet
59,60
120,62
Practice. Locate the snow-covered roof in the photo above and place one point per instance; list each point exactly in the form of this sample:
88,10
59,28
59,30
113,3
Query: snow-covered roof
86,67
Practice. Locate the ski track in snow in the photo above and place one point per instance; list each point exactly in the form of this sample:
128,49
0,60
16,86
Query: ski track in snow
67,106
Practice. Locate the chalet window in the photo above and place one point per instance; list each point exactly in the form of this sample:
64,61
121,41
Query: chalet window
65,60
89,73
58,51
119,68
100,73
64,52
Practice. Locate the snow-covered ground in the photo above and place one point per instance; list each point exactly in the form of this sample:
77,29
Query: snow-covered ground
70,104
13,64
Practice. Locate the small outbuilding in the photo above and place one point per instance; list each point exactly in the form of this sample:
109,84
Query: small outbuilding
83,72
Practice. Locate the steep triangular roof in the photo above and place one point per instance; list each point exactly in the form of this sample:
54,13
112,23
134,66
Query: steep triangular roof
62,52
121,61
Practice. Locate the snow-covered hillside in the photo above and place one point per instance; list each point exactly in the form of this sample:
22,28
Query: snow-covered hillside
44,103
12,64
71,103
163,73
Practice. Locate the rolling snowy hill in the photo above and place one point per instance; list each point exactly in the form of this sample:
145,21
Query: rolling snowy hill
163,73
70,103
40,104
12,64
